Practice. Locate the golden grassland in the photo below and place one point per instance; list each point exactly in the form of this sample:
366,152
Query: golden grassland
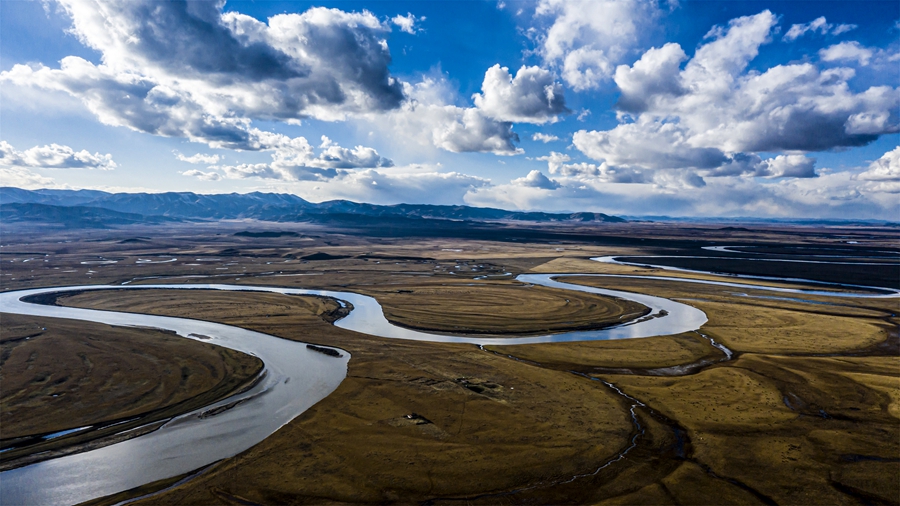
784,419
770,325
793,429
358,445
586,356
500,308
807,412
97,374
485,308
734,407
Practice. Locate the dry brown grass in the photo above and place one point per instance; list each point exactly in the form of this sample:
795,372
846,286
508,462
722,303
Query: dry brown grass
764,325
500,308
797,430
96,373
59,374
496,423
777,424
653,352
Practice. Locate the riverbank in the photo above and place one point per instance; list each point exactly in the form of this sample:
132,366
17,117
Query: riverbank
72,385
189,441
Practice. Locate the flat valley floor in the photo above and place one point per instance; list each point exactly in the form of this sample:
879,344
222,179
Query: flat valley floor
804,408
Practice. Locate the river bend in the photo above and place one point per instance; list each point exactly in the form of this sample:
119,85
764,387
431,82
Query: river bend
295,378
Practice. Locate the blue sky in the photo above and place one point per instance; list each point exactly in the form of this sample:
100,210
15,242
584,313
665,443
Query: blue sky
770,109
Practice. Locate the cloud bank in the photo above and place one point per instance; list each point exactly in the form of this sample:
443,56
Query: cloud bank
53,156
711,116
295,159
187,69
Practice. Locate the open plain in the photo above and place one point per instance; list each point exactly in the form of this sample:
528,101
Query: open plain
780,398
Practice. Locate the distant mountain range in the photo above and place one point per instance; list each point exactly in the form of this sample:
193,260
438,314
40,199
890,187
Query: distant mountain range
91,208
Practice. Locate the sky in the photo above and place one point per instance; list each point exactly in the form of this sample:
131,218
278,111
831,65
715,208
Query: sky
770,109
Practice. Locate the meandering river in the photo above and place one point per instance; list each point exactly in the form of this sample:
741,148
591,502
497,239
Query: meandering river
295,378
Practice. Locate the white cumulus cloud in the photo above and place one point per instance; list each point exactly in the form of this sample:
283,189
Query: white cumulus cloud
469,130
847,51
430,118
545,138
832,195
295,159
710,116
586,39
415,184
198,158
789,166
820,25
886,168
656,75
532,96
408,23
187,69
23,178
557,164
203,176
54,156
536,179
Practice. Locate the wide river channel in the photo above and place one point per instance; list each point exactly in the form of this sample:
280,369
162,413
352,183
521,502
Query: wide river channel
294,379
